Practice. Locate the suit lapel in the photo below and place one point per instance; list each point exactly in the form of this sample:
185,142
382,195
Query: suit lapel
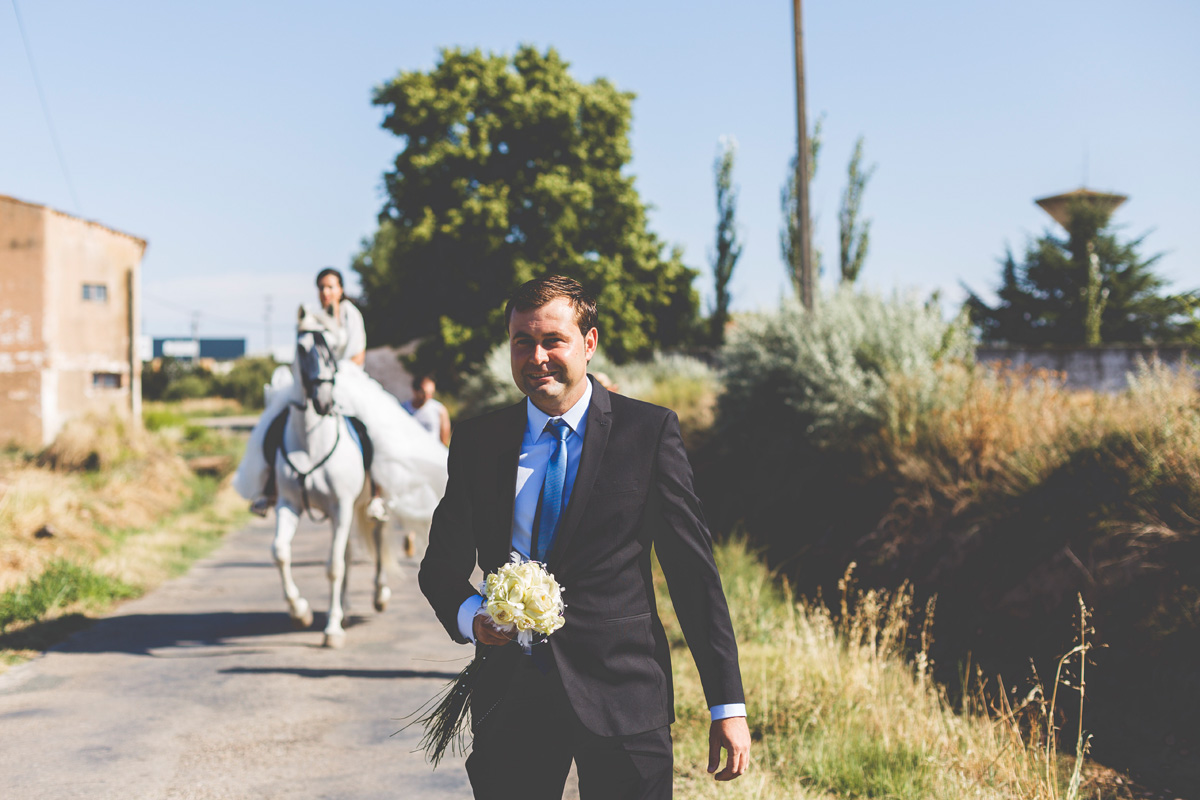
510,431
595,439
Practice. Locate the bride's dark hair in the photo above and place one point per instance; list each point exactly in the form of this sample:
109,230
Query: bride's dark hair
331,271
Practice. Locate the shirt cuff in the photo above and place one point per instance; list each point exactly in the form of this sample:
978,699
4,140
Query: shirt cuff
727,710
466,615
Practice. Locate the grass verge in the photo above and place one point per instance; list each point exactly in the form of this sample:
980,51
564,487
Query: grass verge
69,595
840,706
104,514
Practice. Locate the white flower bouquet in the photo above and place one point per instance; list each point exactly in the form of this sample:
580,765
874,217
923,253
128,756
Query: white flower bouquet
521,596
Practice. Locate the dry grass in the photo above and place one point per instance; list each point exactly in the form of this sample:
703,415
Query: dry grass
106,512
998,431
96,480
841,706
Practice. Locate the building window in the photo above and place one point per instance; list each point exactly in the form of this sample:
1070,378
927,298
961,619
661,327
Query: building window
106,380
95,293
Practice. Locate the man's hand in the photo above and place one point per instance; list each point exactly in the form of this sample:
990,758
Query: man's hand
486,632
731,734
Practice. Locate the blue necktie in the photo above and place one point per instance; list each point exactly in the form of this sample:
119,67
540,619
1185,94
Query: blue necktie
552,490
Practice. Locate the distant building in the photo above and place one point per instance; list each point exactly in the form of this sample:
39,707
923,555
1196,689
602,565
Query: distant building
69,311
189,349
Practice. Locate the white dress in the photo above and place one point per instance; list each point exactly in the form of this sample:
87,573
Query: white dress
409,465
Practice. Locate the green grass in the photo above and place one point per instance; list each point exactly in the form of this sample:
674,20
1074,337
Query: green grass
119,531
62,584
842,705
156,419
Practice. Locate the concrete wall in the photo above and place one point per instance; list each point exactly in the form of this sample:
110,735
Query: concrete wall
1102,369
53,342
22,332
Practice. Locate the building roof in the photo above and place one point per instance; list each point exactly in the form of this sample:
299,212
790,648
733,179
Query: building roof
7,199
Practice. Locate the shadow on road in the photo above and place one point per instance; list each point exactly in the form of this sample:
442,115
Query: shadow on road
143,634
305,672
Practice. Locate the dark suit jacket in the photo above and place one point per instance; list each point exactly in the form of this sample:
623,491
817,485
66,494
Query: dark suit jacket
633,489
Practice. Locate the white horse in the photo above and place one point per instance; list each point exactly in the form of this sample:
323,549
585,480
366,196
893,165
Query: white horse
320,469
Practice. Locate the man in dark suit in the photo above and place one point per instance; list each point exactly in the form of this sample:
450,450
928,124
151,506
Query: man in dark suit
587,481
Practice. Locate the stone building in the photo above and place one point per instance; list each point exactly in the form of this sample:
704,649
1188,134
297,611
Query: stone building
69,321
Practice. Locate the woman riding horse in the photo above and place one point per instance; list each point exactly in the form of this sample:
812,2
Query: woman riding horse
408,465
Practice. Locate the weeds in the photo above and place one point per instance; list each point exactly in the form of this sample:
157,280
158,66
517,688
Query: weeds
105,513
62,584
842,704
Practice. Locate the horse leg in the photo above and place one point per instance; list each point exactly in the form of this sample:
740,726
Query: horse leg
286,522
383,592
347,560
335,635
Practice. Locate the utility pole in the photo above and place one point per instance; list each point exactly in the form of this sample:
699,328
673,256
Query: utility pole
807,279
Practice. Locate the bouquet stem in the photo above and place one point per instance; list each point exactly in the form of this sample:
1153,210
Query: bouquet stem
446,724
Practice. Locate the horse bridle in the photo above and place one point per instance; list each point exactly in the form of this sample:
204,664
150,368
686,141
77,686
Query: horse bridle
311,385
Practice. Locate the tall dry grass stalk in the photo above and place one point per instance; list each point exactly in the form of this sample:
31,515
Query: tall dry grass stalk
841,706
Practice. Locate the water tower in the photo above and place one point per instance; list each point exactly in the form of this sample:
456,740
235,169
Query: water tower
1094,295
1059,205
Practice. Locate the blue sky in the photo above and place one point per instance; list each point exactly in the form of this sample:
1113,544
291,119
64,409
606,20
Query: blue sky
239,138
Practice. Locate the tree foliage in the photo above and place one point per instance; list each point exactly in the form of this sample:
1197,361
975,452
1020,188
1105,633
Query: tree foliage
728,248
510,168
789,203
854,233
1087,288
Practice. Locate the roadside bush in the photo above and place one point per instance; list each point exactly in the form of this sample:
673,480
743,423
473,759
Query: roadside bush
245,381
182,380
682,383
826,373
95,442
807,395
490,386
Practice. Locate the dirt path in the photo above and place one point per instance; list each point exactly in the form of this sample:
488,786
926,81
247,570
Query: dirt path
201,689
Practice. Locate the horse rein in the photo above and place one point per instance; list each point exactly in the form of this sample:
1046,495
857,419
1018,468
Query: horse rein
319,341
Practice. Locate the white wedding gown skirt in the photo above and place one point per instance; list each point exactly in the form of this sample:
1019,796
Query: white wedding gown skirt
409,464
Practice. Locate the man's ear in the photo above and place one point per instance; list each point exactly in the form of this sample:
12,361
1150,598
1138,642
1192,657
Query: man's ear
590,342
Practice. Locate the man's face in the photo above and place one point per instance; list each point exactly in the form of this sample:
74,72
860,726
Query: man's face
422,392
550,355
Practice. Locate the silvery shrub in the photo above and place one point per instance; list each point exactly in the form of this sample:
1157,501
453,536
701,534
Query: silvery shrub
826,375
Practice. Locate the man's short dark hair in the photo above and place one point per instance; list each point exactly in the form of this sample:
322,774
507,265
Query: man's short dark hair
540,291
420,378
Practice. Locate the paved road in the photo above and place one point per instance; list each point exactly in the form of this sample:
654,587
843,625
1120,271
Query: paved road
201,689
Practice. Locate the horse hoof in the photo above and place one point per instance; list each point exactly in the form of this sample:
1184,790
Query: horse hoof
303,618
410,545
381,598
334,641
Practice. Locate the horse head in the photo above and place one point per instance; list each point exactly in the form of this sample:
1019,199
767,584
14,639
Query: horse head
315,360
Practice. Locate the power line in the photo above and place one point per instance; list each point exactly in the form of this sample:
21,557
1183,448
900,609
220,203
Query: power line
62,162
240,323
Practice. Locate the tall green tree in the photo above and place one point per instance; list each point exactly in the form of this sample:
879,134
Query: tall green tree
1087,288
728,248
854,234
789,202
510,168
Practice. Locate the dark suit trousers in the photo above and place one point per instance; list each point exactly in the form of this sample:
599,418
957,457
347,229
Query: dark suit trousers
524,746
